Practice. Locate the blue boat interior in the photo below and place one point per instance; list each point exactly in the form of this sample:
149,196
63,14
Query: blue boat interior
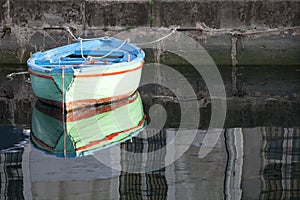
96,52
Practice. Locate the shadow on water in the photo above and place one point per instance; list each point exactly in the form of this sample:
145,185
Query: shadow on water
256,156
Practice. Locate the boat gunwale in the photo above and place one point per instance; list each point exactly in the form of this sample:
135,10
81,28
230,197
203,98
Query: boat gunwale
86,75
48,68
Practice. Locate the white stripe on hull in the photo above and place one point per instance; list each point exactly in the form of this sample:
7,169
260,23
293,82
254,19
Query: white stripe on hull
103,86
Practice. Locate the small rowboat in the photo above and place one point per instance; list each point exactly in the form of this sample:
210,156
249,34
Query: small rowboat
84,131
86,73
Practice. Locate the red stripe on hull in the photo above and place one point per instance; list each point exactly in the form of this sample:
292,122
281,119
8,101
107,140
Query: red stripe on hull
84,148
74,105
78,115
82,103
109,137
39,75
49,148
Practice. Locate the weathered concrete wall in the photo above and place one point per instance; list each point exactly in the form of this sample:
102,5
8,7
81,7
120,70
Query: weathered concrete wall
215,14
227,14
38,25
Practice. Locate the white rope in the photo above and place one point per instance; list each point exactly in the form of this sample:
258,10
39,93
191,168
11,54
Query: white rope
90,57
72,35
77,39
81,49
11,75
116,49
90,39
158,40
16,73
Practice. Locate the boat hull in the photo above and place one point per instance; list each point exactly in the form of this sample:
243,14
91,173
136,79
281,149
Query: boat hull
86,87
86,73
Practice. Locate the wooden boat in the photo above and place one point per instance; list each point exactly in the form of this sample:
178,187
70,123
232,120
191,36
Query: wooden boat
86,73
86,130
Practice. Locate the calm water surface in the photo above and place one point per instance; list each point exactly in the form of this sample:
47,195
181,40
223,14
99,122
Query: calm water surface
256,156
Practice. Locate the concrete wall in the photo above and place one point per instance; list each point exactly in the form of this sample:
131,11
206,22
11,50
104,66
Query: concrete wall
38,25
94,13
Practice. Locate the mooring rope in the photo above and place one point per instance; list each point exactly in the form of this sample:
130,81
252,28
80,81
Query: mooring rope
113,50
91,57
12,75
72,35
158,40
81,49
124,42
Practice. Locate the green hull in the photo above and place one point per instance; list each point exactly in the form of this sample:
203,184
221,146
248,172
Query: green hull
86,130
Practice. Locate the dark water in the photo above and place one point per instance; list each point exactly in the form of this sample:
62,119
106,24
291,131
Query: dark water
256,156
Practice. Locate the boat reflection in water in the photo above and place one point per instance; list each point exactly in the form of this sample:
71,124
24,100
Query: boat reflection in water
86,130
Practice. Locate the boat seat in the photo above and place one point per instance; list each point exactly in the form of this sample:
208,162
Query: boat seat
126,57
42,62
95,53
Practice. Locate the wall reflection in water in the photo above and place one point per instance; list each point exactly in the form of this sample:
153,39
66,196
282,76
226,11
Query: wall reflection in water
276,175
152,185
11,175
247,163
11,152
281,161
